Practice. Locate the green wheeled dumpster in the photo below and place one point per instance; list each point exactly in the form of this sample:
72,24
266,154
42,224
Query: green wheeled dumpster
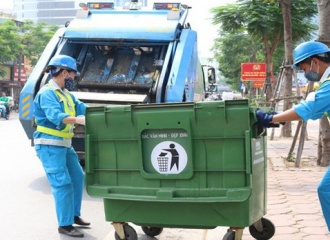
185,165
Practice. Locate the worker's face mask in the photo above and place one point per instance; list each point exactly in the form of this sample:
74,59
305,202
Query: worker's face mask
69,83
312,76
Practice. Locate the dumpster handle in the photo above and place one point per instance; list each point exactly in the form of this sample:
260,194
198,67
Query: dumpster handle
263,131
233,195
105,115
89,168
106,111
248,151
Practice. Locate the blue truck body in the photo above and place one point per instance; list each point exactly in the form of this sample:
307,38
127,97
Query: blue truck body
124,57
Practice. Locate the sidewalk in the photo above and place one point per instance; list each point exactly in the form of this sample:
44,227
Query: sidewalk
293,204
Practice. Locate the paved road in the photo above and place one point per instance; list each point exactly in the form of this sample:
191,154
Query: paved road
27,210
26,203
293,204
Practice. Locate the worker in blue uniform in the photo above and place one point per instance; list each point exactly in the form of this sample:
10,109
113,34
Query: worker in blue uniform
314,59
56,112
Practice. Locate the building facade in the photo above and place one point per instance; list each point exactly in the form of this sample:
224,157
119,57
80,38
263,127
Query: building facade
56,12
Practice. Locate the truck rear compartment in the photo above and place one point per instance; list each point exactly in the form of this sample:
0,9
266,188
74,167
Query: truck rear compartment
122,74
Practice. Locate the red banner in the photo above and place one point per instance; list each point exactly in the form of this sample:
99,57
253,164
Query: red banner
253,72
258,84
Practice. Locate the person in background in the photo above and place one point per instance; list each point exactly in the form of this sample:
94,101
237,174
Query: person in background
56,112
243,89
5,100
314,59
3,110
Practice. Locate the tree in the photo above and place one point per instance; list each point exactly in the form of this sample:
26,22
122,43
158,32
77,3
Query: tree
324,33
235,49
263,21
34,38
23,40
9,43
288,6
231,49
286,130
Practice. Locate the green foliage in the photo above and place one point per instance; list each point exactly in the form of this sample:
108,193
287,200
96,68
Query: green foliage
302,13
230,50
9,41
290,157
35,37
26,40
258,101
251,29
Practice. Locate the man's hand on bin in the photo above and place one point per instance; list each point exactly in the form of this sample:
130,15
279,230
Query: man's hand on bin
265,119
80,120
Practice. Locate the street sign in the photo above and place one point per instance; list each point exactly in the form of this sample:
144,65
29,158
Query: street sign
258,84
23,74
253,71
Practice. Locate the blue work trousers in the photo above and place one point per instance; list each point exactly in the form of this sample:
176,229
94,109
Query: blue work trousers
323,191
66,178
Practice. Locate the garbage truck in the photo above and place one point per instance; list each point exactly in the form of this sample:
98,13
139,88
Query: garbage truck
155,151
125,55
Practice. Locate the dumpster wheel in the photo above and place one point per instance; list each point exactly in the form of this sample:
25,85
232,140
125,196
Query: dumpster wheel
152,231
230,235
233,233
267,231
130,233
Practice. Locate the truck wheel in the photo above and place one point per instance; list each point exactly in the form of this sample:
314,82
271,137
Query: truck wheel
152,231
268,230
130,233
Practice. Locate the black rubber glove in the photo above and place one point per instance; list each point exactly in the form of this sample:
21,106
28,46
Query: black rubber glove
264,119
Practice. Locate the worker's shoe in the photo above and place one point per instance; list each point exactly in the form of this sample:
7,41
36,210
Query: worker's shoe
70,231
81,222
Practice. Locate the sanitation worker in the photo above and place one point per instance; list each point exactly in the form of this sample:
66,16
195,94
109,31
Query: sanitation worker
314,59
56,112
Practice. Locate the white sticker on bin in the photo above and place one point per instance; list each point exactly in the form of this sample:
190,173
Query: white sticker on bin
169,157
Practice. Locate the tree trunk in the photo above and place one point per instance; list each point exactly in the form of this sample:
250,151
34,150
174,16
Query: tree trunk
324,142
323,7
252,91
319,149
269,50
286,130
268,82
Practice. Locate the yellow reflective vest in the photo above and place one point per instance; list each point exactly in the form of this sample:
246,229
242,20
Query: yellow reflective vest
69,108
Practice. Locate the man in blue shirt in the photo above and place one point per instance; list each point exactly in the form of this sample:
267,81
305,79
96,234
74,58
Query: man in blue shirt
314,59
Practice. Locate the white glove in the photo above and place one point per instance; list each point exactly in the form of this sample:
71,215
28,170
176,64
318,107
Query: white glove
80,120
